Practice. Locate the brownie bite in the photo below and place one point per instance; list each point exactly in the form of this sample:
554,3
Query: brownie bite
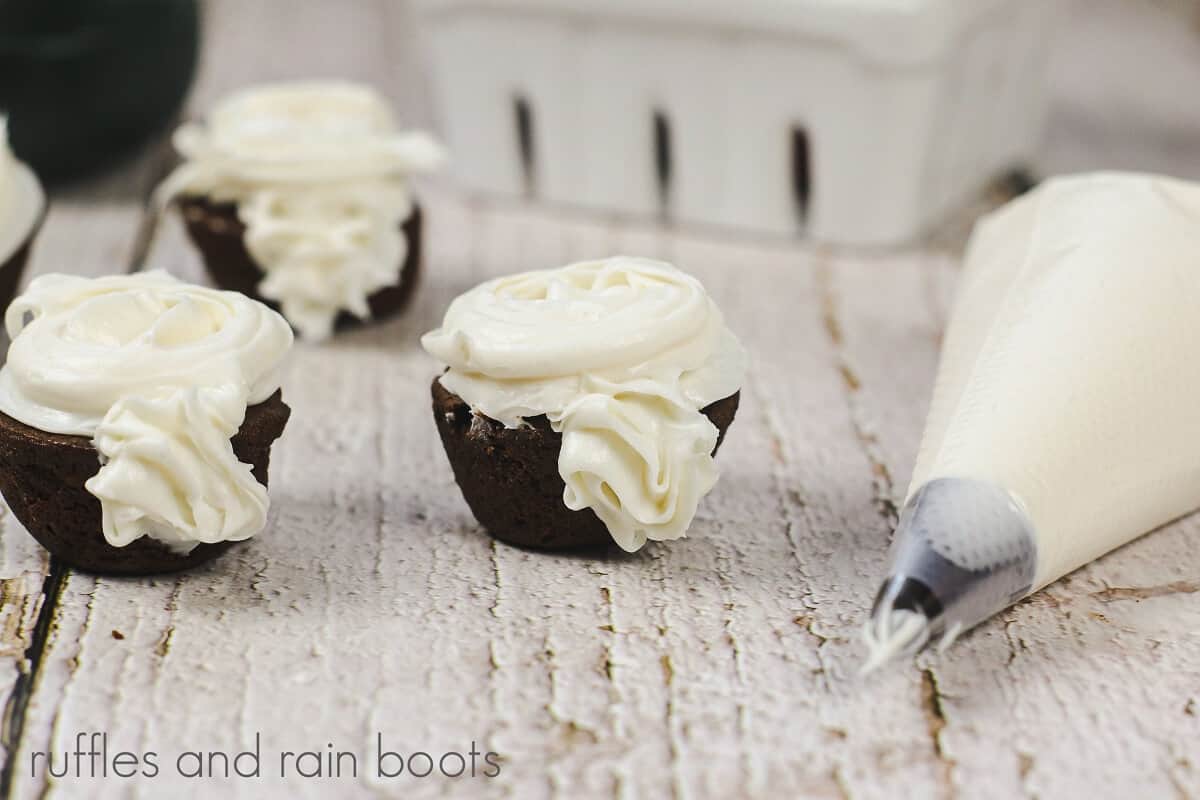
219,235
42,478
584,405
300,194
137,415
509,476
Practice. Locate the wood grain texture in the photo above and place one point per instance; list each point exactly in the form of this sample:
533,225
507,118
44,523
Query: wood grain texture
720,666
87,230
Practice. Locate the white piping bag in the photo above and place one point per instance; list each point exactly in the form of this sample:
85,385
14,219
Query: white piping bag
1066,414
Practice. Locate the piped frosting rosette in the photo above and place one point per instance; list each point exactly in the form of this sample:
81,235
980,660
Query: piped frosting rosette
319,172
620,355
159,373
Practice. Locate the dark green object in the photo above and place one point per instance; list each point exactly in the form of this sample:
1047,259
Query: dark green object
86,82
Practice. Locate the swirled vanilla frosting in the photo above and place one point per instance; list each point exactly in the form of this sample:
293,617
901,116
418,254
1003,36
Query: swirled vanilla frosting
620,355
159,373
21,198
320,174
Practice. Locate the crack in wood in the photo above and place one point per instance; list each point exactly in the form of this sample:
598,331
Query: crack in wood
573,732
789,495
882,483
494,608
808,623
608,667
1025,764
668,672
15,599
12,726
73,664
164,642
840,784
1015,643
1110,594
935,724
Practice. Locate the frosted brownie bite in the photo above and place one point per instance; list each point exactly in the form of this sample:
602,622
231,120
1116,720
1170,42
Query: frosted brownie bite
583,405
300,194
137,414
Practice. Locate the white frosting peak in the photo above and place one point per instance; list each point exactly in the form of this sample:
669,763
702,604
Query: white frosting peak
21,198
319,171
620,355
159,373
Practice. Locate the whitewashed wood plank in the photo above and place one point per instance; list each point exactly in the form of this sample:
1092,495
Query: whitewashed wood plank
91,229
830,507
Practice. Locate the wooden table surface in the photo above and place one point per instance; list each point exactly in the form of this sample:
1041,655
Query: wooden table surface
721,666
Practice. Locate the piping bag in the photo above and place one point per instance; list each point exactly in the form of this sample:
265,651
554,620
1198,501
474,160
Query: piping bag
1065,419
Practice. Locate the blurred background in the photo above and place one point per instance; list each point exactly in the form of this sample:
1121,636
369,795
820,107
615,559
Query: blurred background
91,85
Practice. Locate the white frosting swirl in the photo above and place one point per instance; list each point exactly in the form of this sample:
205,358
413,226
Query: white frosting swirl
159,373
620,355
22,200
319,172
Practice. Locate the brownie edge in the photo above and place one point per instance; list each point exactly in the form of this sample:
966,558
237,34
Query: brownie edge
42,477
509,476
219,235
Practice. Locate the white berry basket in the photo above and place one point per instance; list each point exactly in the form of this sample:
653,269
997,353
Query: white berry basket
859,122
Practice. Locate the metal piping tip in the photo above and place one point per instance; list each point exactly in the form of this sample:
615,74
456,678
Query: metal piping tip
891,634
903,619
963,551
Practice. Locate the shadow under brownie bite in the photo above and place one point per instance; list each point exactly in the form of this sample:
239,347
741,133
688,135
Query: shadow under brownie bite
584,405
145,447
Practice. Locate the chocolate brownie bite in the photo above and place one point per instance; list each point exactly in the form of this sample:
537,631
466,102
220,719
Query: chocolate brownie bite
585,405
22,207
219,235
43,477
299,194
146,448
509,476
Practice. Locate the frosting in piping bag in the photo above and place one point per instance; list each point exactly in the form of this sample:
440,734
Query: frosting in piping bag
1064,420
319,173
159,374
620,355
